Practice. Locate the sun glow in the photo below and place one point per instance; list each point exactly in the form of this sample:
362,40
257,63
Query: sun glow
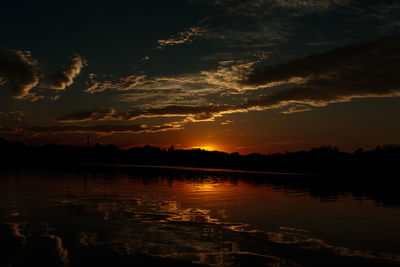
206,147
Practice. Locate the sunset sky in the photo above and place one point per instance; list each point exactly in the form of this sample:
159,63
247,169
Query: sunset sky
232,75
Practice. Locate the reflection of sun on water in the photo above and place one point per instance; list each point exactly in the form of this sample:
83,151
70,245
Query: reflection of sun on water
204,187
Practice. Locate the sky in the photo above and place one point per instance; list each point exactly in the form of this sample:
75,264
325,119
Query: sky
241,76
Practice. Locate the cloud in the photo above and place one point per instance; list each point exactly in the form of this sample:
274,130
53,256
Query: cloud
252,24
2,81
15,115
227,122
10,120
89,114
105,128
310,6
19,69
126,83
159,98
27,80
182,37
65,76
384,13
296,109
99,129
292,8
369,69
220,26
251,33
256,6
192,113
228,74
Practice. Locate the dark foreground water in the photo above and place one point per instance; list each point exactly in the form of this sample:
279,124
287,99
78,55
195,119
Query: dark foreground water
148,217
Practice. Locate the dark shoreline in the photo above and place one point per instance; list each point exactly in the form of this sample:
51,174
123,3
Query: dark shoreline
321,161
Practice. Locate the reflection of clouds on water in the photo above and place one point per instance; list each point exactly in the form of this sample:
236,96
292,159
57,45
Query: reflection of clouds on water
192,234
318,244
45,245
135,226
30,243
168,206
193,215
240,258
166,228
189,234
286,237
222,213
14,214
106,208
87,239
58,248
293,229
14,230
239,227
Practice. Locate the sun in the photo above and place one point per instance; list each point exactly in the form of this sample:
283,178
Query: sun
205,147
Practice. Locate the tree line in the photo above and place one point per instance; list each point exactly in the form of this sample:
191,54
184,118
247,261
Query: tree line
324,159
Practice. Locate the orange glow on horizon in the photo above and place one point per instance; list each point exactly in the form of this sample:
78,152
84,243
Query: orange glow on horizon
205,147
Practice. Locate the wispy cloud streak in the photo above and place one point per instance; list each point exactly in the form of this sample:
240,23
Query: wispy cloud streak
65,76
182,37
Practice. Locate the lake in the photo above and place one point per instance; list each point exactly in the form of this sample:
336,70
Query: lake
180,217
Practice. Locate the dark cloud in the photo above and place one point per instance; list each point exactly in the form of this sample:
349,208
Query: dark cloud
7,129
65,76
252,24
105,128
16,115
252,7
369,69
385,13
193,113
10,120
19,70
99,129
88,114
198,112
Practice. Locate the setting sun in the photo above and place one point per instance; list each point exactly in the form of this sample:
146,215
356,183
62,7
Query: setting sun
206,147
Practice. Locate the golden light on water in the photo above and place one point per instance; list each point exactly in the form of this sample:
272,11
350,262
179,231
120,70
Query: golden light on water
205,187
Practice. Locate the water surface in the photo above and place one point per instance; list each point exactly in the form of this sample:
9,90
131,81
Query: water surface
182,217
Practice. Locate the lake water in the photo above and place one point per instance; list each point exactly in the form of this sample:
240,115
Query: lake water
182,217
